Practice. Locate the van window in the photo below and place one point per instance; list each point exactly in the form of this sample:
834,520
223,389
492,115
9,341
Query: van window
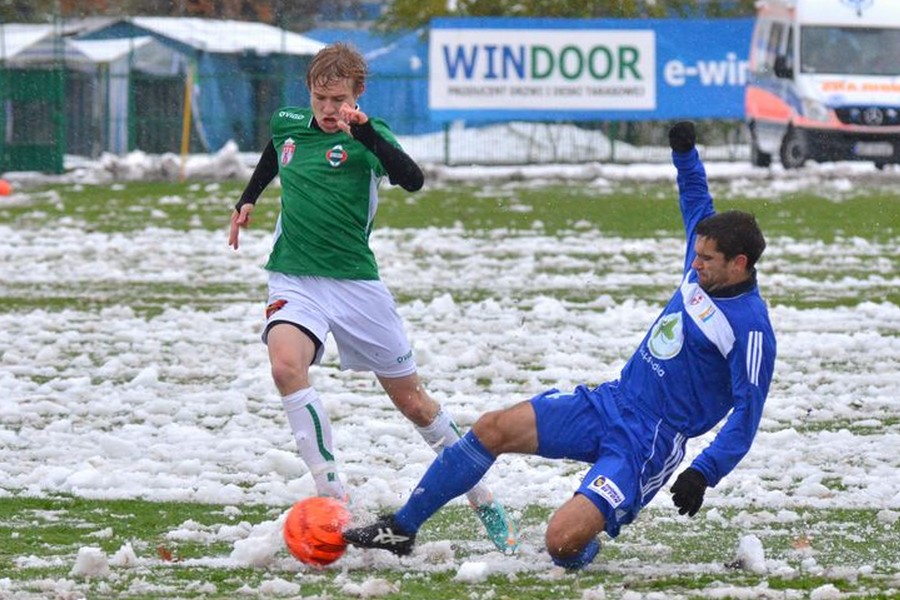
760,42
849,50
766,44
788,54
774,45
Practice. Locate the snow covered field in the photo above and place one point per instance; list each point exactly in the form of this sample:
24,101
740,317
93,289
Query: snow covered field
177,404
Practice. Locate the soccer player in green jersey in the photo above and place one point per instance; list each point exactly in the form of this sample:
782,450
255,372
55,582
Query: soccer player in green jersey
323,276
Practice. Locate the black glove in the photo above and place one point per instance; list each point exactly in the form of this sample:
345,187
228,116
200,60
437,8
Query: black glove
687,491
682,136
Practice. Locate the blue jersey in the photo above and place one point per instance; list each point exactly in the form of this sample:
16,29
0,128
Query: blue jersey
705,357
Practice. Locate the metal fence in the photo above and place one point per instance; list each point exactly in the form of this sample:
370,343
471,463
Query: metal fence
570,142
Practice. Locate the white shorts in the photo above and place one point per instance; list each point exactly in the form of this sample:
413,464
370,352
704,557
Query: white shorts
360,314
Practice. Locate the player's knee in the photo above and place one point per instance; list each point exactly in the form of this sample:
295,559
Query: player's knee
490,430
420,412
572,528
561,543
411,399
289,376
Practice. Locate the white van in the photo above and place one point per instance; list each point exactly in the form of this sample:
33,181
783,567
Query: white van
824,82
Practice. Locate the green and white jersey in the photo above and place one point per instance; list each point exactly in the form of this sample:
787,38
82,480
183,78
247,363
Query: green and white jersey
328,200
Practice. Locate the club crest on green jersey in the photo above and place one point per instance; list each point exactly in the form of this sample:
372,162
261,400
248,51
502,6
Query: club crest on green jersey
667,336
287,151
336,156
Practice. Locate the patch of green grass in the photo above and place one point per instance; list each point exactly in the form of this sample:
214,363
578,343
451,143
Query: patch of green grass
885,422
636,212
62,524
133,206
146,299
626,210
811,545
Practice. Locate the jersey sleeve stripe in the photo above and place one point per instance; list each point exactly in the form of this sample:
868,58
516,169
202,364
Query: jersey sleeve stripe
754,356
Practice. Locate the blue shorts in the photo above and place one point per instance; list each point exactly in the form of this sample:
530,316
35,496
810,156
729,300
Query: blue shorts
633,454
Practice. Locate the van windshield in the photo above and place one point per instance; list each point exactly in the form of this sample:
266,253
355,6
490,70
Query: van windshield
850,50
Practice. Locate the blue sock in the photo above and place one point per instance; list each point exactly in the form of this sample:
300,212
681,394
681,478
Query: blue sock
580,560
456,470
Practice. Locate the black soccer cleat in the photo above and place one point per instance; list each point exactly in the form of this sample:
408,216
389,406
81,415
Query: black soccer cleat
383,534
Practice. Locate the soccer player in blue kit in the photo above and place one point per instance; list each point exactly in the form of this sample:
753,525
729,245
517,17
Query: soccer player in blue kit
708,357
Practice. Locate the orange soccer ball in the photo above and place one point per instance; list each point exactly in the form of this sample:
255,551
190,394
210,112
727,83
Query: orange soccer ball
313,530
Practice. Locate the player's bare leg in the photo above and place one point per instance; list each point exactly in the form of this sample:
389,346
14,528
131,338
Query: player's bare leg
290,353
573,528
439,430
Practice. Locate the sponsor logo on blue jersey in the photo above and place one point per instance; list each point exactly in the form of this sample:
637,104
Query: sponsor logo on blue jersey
654,365
667,336
608,490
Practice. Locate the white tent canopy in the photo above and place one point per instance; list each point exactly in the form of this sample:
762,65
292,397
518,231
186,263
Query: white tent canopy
18,39
230,37
209,35
34,42
144,54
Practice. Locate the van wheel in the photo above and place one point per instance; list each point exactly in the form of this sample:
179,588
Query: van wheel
793,149
758,158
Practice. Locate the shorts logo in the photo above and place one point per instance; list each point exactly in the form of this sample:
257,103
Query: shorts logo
666,337
336,156
274,308
404,358
287,151
608,490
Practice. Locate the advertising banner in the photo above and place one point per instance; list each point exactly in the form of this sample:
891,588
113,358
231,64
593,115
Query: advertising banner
587,69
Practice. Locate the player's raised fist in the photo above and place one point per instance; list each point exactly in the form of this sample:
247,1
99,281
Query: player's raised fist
682,136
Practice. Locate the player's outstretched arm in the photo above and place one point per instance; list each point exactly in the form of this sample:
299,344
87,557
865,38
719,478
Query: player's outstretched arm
694,198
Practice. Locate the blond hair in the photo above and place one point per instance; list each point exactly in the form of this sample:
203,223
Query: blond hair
336,62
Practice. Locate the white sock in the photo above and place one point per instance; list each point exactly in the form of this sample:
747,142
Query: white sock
442,433
312,432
